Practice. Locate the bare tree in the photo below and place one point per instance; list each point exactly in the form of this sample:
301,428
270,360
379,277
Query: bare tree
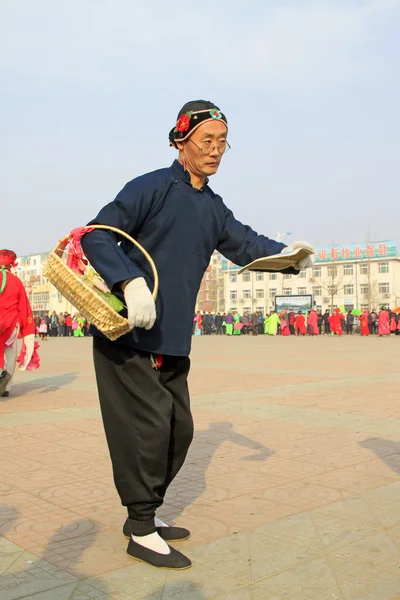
334,284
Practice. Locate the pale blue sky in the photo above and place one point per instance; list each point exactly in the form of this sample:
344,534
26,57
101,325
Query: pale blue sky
91,88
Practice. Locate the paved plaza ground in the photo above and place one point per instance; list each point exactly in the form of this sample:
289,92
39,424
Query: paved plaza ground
291,488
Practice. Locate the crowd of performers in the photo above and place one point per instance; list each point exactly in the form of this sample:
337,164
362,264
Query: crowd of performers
61,325
289,322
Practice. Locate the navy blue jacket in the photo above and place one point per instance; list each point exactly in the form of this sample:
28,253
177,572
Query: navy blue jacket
180,227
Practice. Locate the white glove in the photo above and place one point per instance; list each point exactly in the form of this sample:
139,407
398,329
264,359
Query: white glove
140,304
29,341
304,263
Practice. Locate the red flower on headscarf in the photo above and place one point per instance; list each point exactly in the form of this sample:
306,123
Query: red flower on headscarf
183,123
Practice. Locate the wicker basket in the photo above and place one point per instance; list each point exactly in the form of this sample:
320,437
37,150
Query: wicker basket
94,308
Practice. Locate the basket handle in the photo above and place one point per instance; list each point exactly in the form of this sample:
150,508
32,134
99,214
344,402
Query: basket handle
64,241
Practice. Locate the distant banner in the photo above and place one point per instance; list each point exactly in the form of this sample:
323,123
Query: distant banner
373,250
228,265
340,252
296,303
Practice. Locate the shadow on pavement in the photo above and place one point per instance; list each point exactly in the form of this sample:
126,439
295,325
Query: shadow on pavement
62,542
45,385
184,590
205,444
386,450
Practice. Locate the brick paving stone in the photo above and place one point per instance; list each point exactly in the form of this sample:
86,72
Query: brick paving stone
291,487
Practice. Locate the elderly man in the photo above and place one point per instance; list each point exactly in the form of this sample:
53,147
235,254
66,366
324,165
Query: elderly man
142,376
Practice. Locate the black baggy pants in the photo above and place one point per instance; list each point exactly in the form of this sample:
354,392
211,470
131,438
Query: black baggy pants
148,424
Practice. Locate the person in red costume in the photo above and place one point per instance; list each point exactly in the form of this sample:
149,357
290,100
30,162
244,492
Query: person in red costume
383,323
16,321
300,324
364,323
335,322
313,322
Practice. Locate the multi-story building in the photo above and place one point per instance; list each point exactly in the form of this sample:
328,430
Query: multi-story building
42,295
365,275
211,296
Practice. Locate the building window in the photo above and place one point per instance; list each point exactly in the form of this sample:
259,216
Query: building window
364,269
246,293
364,288
383,267
302,274
207,295
260,308
364,307
384,288
301,291
259,293
207,275
272,294
287,276
233,277
233,295
287,291
40,297
332,290
317,291
259,276
246,277
272,276
348,290
316,272
34,262
348,270
246,309
60,297
332,271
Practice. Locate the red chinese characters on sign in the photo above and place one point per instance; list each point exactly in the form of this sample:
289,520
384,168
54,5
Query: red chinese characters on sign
382,250
370,250
357,252
345,252
334,254
322,255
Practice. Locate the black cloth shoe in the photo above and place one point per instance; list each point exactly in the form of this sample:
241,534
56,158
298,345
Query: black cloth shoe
5,394
173,560
168,534
5,379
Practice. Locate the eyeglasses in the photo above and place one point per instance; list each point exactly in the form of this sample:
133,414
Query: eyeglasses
208,148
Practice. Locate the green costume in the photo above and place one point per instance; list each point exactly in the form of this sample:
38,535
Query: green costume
271,324
78,332
236,318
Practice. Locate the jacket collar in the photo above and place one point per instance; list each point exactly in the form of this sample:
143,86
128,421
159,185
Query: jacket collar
180,173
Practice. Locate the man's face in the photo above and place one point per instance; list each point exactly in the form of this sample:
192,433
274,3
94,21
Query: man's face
212,133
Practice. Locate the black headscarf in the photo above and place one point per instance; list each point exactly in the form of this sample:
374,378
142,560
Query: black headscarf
191,116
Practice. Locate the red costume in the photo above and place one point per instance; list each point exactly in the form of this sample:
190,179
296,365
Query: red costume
364,323
313,322
383,323
285,324
393,324
300,325
16,319
335,321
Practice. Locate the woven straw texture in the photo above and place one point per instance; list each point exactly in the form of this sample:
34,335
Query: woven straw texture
84,298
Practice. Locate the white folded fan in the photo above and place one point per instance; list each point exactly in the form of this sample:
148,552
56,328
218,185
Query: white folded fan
279,262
